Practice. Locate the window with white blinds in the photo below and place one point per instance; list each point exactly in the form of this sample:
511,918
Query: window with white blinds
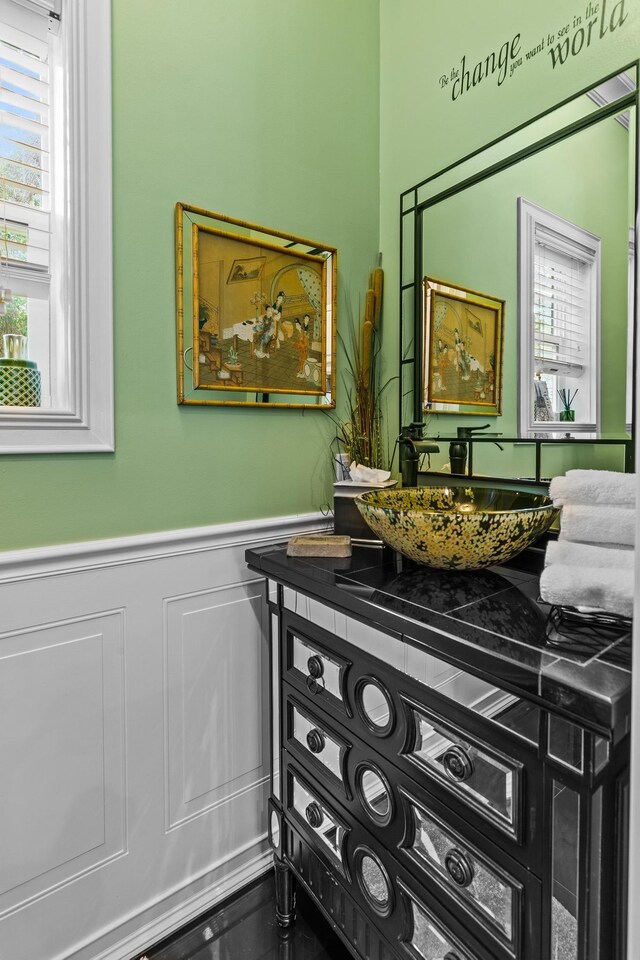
25,181
561,306
24,149
559,300
55,217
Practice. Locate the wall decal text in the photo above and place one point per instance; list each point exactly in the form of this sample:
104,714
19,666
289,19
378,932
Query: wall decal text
598,19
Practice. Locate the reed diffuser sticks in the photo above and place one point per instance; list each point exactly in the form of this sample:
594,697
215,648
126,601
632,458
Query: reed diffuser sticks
567,398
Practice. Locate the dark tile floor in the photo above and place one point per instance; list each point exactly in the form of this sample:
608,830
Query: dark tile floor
245,928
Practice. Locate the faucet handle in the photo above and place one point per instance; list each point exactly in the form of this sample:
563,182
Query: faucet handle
466,432
413,431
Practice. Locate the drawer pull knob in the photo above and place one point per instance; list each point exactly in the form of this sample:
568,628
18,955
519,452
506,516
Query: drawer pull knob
315,667
315,686
457,764
315,740
314,815
451,956
458,867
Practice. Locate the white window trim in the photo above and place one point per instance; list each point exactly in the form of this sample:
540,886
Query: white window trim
50,6
529,214
86,421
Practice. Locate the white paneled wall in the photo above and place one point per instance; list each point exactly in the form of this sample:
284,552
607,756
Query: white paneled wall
133,741
214,699
62,743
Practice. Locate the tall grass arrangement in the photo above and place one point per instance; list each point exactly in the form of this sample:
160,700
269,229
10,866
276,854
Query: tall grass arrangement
360,434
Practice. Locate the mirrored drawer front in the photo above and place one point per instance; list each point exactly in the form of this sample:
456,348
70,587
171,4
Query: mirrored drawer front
489,781
483,887
429,940
509,712
323,675
329,832
316,741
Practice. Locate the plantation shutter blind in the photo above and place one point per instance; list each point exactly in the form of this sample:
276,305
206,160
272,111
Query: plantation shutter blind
562,299
25,208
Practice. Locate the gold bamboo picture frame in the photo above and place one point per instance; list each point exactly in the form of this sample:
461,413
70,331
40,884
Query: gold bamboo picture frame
255,314
463,337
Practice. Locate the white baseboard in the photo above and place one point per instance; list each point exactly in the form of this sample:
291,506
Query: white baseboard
148,934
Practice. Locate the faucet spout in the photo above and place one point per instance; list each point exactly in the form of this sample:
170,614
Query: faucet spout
412,446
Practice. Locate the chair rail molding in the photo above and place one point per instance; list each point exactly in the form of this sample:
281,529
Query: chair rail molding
92,554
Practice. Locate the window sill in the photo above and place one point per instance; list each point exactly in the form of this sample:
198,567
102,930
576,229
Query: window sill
26,430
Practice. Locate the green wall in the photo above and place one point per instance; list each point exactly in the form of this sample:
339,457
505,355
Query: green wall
311,118
420,43
264,111
472,239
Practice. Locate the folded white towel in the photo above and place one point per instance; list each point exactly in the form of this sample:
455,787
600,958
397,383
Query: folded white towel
594,486
597,589
598,524
589,555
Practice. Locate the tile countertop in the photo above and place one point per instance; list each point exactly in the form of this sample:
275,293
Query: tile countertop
490,622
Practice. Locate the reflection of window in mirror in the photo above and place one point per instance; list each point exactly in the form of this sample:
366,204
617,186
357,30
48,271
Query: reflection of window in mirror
559,317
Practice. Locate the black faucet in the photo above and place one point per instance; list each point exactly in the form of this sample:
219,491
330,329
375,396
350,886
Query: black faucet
458,451
412,447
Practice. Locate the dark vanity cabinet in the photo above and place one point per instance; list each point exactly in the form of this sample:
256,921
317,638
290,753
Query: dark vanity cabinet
450,775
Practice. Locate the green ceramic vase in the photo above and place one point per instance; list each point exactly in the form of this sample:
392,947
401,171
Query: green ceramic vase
19,383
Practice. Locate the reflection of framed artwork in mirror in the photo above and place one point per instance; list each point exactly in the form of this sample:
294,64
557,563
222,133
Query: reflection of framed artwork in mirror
463,333
255,314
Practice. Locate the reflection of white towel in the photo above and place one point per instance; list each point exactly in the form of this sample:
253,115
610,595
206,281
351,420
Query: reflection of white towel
596,589
589,555
595,487
598,524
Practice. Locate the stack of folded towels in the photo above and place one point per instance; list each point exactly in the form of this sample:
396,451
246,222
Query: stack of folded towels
591,565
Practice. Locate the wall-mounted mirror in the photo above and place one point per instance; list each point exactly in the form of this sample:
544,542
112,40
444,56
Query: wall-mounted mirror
543,221
256,314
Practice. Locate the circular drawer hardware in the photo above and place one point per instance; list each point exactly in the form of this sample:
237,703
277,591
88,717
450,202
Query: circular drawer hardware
458,867
374,793
314,815
315,680
374,881
315,686
315,740
375,705
457,764
451,956
315,667
274,830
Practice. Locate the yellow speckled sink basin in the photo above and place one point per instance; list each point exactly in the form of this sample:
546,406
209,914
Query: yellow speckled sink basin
457,528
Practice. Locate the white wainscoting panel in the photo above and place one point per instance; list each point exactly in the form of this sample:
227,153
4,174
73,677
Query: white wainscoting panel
61,753
216,667
133,737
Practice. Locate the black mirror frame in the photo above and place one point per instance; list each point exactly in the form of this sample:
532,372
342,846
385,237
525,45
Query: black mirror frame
413,205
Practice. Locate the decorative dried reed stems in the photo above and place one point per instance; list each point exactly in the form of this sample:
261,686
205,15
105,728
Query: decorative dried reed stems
360,433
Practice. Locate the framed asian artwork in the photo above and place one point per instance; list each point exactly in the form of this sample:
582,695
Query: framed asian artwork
463,337
256,314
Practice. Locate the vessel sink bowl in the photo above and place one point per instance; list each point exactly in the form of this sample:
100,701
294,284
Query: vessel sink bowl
457,528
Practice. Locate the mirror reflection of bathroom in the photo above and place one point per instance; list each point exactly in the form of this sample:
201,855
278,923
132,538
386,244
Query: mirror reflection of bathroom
550,232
